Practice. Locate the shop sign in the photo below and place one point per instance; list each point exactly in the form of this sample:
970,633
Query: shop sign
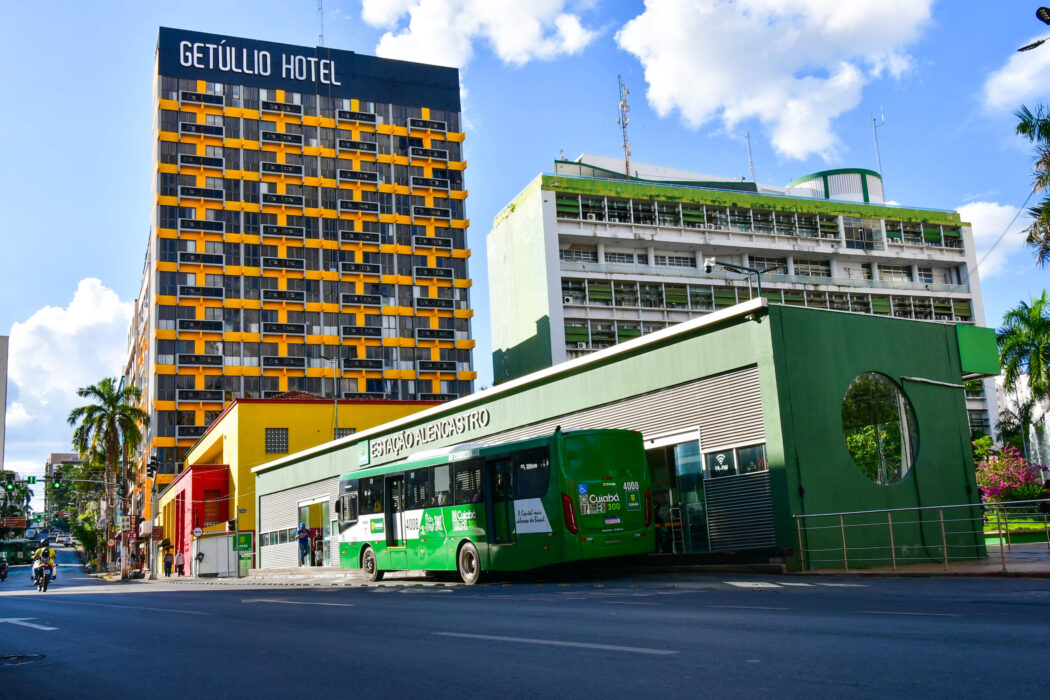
158,533
245,542
420,436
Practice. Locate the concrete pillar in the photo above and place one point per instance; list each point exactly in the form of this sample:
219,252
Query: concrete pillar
650,253
601,253
790,265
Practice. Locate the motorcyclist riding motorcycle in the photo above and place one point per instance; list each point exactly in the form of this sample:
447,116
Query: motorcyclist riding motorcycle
3,569
45,556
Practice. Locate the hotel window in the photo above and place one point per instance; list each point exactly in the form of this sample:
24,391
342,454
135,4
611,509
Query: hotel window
895,273
763,263
578,255
625,293
675,261
813,268
860,233
626,258
926,275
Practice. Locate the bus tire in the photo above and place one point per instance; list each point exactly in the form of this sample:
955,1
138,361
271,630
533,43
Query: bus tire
368,563
468,564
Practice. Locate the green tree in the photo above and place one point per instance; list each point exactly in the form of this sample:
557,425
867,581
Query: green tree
109,426
1036,128
1024,346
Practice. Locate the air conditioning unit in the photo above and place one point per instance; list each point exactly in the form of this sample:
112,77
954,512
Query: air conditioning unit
590,217
581,345
698,225
566,300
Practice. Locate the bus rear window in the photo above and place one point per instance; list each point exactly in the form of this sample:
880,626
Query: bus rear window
532,474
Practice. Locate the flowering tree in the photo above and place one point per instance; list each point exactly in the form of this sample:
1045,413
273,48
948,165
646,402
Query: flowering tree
1004,475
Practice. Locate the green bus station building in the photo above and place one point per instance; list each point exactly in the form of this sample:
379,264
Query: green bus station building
752,416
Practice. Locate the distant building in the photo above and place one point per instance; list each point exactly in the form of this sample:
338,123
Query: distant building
585,258
308,234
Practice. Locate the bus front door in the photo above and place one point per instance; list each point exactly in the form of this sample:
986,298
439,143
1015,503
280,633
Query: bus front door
394,523
499,502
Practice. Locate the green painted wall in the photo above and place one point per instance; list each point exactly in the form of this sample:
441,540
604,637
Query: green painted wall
817,355
564,183
517,263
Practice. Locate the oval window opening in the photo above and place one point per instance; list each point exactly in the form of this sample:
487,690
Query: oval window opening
880,429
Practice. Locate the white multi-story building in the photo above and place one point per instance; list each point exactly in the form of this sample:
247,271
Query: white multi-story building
585,258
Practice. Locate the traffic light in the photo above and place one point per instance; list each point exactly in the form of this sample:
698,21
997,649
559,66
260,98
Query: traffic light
9,485
30,479
231,525
56,483
151,467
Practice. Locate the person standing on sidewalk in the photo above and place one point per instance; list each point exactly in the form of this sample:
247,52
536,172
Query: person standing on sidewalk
302,535
168,559
179,563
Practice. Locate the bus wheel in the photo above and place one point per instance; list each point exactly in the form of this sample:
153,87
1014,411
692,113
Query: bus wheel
468,564
368,563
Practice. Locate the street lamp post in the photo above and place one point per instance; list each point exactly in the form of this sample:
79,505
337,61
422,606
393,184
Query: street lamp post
710,263
335,392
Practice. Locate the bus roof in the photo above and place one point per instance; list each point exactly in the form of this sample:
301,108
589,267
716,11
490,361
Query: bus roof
456,453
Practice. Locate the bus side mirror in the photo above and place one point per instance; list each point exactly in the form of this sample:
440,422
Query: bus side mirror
339,507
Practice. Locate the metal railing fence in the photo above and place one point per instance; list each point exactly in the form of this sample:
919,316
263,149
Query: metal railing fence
894,537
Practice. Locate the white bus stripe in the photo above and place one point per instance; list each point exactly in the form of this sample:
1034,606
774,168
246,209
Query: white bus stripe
557,643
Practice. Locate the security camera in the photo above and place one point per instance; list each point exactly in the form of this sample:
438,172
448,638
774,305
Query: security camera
709,264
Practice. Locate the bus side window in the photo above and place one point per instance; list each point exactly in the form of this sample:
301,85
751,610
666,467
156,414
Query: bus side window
417,488
372,495
348,508
442,486
467,477
532,474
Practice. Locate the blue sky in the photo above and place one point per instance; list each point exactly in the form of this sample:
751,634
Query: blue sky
538,78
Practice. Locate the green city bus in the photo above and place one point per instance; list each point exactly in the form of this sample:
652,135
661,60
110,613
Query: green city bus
509,507
18,551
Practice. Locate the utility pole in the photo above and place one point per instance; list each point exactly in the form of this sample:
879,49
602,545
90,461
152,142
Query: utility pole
750,162
623,121
878,158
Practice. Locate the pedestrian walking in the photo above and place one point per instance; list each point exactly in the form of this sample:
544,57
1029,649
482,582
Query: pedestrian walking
179,563
302,535
168,559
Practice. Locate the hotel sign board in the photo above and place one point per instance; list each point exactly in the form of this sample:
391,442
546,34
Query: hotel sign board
318,70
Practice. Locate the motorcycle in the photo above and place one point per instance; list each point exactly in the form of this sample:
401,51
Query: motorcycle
43,576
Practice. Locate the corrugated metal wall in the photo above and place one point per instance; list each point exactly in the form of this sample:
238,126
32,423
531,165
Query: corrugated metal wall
279,511
740,512
727,407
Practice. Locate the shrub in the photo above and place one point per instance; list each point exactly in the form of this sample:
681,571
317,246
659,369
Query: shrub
1004,475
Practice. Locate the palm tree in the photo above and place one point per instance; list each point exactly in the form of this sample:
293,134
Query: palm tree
109,425
1024,346
1036,128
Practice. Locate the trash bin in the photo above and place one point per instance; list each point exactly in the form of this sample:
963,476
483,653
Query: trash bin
245,565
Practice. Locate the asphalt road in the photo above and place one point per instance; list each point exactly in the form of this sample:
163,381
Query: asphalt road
711,636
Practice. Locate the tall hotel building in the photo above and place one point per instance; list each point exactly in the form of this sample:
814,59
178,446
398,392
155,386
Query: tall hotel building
585,258
308,234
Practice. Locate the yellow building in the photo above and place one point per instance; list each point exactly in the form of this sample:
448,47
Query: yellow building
217,484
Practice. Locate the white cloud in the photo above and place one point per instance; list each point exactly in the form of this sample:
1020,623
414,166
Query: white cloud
1022,79
17,415
793,66
445,31
55,351
989,220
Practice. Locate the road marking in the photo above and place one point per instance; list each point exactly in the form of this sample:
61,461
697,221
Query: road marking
282,601
752,584
807,585
132,607
844,585
558,643
624,602
22,621
745,607
916,614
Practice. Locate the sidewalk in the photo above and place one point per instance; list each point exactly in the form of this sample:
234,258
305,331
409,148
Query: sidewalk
1022,560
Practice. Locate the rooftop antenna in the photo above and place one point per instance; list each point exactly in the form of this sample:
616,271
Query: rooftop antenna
875,124
320,18
750,162
623,121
